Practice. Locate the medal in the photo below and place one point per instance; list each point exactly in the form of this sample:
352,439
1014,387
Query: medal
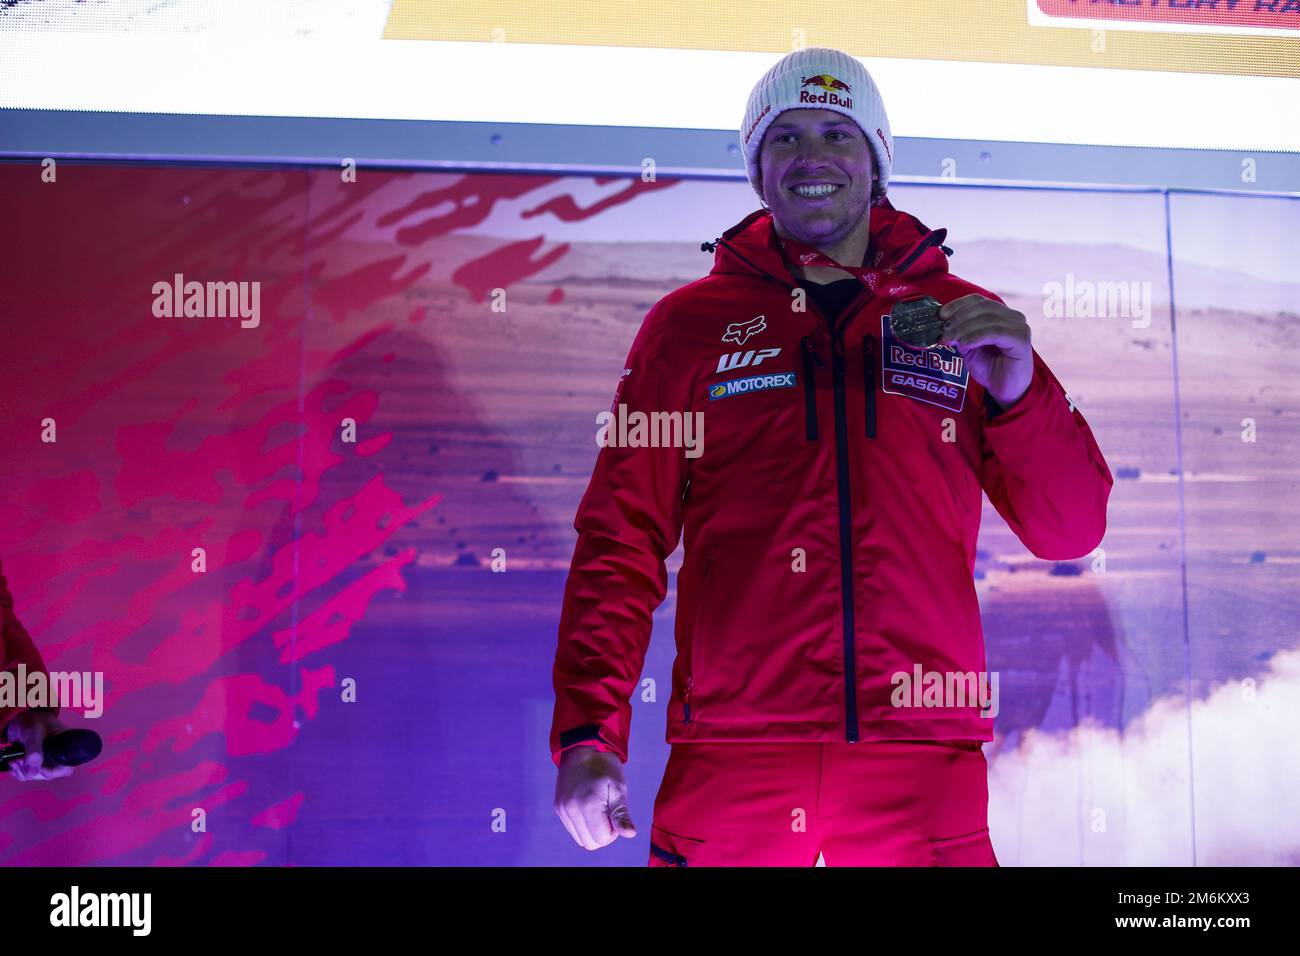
917,321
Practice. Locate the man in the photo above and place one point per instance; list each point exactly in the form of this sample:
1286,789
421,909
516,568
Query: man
830,524
26,725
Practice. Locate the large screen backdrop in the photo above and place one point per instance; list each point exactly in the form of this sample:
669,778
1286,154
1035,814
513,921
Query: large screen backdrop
318,556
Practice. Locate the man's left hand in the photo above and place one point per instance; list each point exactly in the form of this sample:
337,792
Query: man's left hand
993,339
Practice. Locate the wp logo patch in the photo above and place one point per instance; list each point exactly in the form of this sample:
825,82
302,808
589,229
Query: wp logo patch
734,360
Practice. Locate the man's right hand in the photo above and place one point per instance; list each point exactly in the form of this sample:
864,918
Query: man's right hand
30,728
591,797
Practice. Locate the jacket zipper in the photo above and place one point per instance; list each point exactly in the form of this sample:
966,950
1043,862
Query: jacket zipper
931,240
846,532
810,386
869,381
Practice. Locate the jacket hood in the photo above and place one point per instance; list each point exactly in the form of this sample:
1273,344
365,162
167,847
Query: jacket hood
900,243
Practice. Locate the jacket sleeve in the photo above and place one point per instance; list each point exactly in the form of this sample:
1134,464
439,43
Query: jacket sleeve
17,648
1043,471
628,523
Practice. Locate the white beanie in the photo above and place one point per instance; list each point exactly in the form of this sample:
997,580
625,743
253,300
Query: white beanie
818,78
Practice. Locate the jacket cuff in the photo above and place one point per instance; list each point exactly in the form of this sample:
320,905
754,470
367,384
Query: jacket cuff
1036,396
589,735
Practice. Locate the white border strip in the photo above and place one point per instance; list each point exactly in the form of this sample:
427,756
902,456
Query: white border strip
621,86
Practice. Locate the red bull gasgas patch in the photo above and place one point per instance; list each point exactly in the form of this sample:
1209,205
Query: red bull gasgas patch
936,375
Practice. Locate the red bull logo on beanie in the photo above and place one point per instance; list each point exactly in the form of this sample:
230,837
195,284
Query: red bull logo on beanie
832,91
827,82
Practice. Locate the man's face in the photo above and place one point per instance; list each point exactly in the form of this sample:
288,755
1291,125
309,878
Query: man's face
809,147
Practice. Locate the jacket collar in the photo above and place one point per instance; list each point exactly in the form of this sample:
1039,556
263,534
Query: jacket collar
900,243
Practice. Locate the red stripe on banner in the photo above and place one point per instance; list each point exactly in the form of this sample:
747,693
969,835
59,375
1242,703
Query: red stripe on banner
1273,14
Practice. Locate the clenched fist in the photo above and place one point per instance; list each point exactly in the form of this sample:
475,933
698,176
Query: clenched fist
591,797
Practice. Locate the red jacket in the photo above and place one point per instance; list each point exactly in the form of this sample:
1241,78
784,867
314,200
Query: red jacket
830,522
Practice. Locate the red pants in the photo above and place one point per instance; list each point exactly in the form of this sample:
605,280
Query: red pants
874,803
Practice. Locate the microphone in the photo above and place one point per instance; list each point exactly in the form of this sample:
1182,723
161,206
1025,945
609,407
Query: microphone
67,748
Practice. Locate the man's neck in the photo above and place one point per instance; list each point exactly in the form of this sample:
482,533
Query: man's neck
852,250
819,275
847,252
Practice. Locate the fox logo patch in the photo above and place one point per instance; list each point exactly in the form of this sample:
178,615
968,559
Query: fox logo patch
739,332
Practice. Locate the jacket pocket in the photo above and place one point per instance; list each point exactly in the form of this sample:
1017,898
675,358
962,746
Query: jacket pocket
810,360
693,668
869,383
668,849
969,849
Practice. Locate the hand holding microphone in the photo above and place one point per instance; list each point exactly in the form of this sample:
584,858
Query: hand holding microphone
37,746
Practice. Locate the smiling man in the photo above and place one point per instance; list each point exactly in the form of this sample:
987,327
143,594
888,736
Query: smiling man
821,162
830,694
